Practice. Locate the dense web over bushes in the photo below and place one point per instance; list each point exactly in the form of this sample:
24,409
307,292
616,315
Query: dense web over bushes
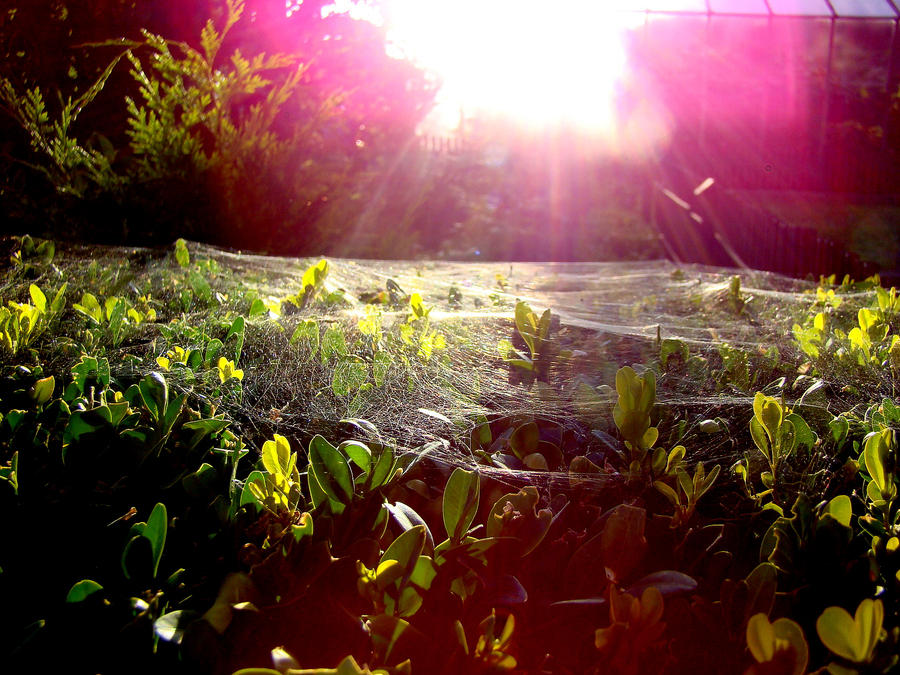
714,342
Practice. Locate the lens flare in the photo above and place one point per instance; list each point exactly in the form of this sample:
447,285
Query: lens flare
536,62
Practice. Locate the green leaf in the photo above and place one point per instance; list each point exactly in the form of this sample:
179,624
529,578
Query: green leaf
349,375
304,528
78,426
701,485
155,533
874,493
182,257
675,457
406,517
840,509
761,638
359,453
622,542
316,494
90,308
247,495
670,347
648,391
257,308
383,466
460,633
276,456
38,298
423,573
460,503
874,455
526,323
768,413
803,435
307,332
82,590
172,411
649,437
45,251
200,286
839,427
684,482
117,319
667,492
627,381
521,364
155,394
109,305
114,413
544,325
631,413
406,549
330,469
237,330
312,280
785,438
212,351
853,638
203,428
59,299
760,438
417,306
43,390
333,344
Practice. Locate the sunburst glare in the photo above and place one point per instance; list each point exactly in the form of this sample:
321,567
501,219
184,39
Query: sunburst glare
539,64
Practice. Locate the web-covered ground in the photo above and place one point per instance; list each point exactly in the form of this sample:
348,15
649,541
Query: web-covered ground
609,315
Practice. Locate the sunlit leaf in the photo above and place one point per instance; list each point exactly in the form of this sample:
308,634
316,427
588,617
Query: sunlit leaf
460,502
853,638
38,298
82,590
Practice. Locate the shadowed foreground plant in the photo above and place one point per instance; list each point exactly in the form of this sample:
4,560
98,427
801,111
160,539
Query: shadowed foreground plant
779,647
634,633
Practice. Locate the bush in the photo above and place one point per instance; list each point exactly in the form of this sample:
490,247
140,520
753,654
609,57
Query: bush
236,147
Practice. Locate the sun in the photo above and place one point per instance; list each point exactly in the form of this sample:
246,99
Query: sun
538,63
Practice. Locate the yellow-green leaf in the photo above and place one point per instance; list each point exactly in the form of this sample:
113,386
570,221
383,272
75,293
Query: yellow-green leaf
276,455
852,638
38,298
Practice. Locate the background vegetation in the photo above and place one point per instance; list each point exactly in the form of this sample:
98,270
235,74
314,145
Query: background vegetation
138,122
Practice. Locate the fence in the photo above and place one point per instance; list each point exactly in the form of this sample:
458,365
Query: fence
444,145
715,227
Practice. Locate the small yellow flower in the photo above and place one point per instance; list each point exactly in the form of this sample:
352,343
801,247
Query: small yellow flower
228,371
